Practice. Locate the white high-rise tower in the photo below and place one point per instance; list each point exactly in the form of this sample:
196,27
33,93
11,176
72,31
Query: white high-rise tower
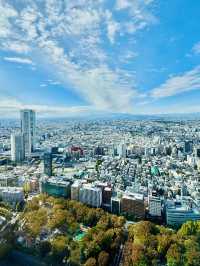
28,130
17,148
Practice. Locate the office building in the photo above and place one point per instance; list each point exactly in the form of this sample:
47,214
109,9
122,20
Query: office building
115,205
7,181
188,145
106,195
121,150
55,186
184,191
178,214
90,195
48,164
197,152
28,130
99,151
75,190
12,195
76,152
154,206
17,148
133,205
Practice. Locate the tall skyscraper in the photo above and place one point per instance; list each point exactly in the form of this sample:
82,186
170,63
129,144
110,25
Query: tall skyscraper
48,164
17,148
28,129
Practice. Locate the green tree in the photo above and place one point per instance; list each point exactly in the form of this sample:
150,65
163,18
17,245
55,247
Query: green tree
138,255
174,255
103,258
164,242
188,228
60,249
35,220
192,252
107,239
91,262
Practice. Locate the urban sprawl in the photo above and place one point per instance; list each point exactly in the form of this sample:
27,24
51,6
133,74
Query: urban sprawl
142,170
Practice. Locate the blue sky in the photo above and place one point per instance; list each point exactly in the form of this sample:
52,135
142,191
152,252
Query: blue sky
71,58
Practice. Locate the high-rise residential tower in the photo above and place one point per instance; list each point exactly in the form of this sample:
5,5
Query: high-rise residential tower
17,148
28,129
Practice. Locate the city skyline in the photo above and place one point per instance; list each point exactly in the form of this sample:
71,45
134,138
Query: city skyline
99,132
121,56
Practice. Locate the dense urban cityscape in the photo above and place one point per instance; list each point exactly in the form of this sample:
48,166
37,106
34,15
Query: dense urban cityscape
133,171
99,133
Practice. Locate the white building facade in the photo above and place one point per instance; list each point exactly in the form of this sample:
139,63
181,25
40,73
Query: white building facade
28,130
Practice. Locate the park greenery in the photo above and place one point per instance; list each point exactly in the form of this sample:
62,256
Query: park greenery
149,244
52,224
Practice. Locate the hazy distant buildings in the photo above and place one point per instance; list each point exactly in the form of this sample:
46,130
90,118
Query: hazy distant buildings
28,130
99,151
197,152
121,150
17,148
188,146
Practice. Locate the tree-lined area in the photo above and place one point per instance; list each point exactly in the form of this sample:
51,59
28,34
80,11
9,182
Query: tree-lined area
52,224
64,232
152,245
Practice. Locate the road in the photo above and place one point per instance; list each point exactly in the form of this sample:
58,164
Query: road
118,256
8,225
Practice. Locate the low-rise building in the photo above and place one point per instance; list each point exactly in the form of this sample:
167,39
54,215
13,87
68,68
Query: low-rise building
179,214
7,181
12,195
55,186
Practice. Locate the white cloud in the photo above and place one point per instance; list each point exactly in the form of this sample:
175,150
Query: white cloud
19,60
123,4
140,14
100,86
67,36
15,46
196,48
127,57
113,27
178,84
7,13
55,83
